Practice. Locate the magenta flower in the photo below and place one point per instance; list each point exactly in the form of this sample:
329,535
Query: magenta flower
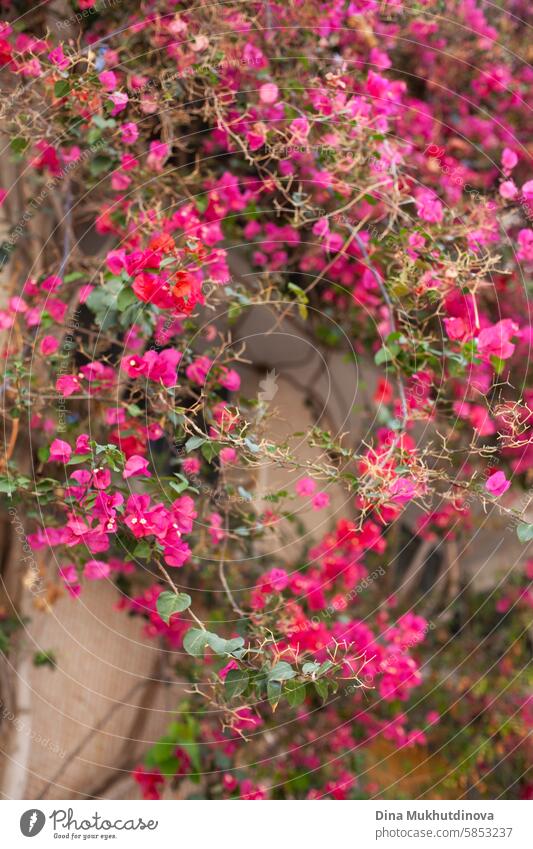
230,380
136,466
320,500
300,128
129,133
60,452
509,160
198,370
162,367
95,570
82,444
191,466
497,484
527,190
428,206
49,345
495,341
402,490
305,486
508,190
268,93
67,385
120,101
108,79
58,58
116,260
227,456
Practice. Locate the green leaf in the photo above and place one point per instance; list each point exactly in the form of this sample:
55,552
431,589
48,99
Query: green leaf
169,603
18,145
524,532
386,353
295,693
142,550
282,671
76,459
322,689
236,682
310,668
221,646
273,693
61,88
178,486
195,642
194,442
8,486
125,298
210,450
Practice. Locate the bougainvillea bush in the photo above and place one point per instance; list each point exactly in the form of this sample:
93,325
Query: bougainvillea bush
368,165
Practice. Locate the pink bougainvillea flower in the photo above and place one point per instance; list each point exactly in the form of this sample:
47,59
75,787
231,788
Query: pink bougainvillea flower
49,345
108,79
134,366
428,206
416,241
527,190
216,528
67,384
95,570
69,576
120,181
455,328
402,490
150,782
268,93
198,370
158,153
116,260
495,341
119,100
101,478
17,304
300,128
230,380
129,133
136,466
227,456
191,465
60,451
508,190
58,58
305,486
525,243
82,444
320,500
321,227
509,160
162,367
497,484
177,554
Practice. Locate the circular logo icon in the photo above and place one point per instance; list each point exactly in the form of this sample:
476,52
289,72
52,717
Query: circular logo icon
32,822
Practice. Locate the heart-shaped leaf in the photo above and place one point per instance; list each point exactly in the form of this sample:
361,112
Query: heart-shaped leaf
169,603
